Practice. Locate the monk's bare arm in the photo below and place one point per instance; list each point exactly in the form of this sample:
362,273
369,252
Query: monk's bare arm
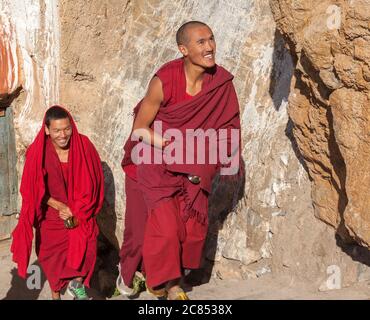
64,211
147,113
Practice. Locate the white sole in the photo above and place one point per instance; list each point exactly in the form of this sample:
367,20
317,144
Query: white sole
70,293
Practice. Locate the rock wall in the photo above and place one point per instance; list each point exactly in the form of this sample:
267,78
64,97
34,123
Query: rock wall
329,106
97,57
35,30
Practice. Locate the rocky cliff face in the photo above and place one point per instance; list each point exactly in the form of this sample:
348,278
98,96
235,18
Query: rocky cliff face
97,57
329,106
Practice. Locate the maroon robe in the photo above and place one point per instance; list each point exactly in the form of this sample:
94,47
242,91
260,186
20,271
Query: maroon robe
177,209
135,221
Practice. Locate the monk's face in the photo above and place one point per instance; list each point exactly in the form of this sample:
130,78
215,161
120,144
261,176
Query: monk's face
200,47
60,132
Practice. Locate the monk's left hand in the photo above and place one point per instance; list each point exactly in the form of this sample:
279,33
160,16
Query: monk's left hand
65,213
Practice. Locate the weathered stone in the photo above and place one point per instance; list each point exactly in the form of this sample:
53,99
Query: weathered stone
10,75
329,106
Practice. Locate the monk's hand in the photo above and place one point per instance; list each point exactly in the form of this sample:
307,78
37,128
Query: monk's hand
65,212
165,143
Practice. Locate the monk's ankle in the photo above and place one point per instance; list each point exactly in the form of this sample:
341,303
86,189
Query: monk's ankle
55,295
173,288
172,283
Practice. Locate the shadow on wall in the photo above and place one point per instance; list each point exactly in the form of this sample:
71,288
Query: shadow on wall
356,252
7,99
283,66
19,289
226,194
281,72
106,272
31,288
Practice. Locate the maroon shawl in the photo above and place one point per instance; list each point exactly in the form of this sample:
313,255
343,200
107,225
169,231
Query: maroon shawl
216,107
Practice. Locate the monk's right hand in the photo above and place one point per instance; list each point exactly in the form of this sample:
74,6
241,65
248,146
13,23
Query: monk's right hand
65,212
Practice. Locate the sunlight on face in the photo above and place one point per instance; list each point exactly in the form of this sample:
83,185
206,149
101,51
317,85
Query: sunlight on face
60,132
200,48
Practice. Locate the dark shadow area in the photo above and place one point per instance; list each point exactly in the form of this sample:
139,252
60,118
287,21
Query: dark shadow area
339,166
294,145
283,65
103,282
226,193
281,72
355,251
19,289
7,99
106,272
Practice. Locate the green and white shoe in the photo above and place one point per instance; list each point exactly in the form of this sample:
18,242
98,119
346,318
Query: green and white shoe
138,285
77,290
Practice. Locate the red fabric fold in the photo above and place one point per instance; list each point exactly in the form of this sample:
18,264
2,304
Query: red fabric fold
85,197
215,107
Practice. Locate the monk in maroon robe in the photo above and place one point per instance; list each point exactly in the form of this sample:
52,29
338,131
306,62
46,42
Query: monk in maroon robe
167,204
62,191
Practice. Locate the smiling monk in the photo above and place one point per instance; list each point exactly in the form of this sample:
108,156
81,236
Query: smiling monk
62,191
166,217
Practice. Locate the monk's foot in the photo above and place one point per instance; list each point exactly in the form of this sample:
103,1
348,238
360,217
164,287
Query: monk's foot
121,288
77,290
138,285
176,293
55,295
161,293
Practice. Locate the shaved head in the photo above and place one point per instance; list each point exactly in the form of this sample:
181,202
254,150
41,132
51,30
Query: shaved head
55,113
182,34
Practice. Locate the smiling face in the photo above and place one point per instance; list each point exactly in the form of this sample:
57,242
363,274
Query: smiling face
60,132
199,46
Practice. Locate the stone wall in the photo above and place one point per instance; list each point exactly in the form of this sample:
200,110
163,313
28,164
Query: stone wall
329,106
97,57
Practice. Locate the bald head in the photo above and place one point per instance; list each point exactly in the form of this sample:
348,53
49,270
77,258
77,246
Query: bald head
182,34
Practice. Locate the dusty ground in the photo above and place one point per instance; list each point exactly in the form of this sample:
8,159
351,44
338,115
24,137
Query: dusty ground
267,287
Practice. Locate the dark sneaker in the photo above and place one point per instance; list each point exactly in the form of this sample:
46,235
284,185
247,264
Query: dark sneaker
77,290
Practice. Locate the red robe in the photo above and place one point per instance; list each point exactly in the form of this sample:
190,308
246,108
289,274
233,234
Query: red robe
178,210
63,253
136,216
